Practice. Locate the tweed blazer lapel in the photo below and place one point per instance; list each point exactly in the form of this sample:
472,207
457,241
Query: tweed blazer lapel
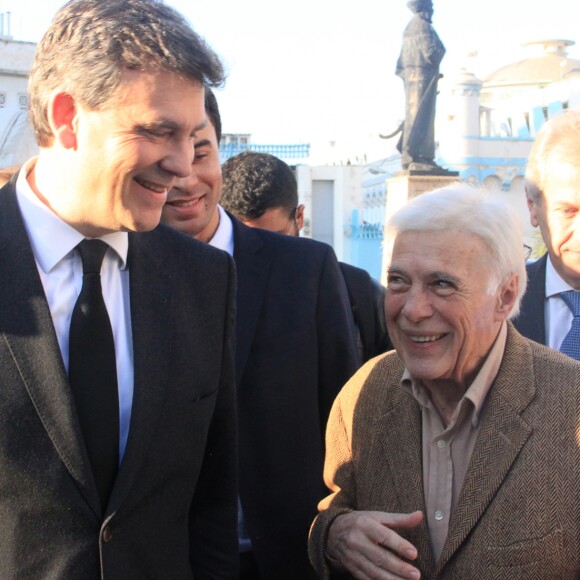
253,265
150,291
399,431
502,436
27,328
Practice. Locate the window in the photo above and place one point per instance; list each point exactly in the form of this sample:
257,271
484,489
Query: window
23,101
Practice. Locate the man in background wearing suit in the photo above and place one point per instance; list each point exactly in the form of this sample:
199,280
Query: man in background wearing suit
295,349
118,442
553,194
457,455
261,191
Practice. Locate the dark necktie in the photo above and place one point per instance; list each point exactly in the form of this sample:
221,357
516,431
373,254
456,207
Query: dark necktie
93,371
571,343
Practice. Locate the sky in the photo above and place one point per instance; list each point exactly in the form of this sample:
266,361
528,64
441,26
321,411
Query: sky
323,70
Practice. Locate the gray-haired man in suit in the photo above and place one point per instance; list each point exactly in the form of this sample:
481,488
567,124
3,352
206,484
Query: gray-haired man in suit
553,193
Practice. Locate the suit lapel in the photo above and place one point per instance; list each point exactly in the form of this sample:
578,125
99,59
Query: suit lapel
399,431
27,328
502,435
253,266
150,291
531,320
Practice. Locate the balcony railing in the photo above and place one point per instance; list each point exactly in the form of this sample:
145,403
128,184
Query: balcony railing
285,152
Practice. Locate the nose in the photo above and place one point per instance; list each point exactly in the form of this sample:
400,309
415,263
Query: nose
185,184
179,158
417,305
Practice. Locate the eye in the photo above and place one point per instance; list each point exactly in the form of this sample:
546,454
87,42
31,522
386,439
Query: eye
396,283
200,156
443,287
154,132
443,283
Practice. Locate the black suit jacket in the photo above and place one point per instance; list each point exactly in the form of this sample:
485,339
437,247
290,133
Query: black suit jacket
295,349
172,510
530,321
367,302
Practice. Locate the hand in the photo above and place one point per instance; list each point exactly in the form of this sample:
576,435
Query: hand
365,544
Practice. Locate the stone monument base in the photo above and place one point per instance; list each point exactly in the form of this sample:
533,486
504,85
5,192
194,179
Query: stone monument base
406,185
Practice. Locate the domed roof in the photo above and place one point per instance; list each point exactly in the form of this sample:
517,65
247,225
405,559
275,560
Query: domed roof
551,65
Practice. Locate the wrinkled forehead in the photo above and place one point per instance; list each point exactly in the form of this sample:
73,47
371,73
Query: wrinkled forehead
438,248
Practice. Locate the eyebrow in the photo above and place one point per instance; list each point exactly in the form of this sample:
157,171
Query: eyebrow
202,143
169,125
436,275
200,126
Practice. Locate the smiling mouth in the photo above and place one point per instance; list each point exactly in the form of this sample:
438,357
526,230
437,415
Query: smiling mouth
426,338
151,186
186,202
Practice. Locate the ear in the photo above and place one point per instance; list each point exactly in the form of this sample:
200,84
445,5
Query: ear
533,209
62,118
300,216
507,297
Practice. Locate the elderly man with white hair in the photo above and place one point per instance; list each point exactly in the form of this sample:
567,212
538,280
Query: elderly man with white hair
458,455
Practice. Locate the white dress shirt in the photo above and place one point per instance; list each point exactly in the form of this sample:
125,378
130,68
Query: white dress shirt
557,316
53,244
223,238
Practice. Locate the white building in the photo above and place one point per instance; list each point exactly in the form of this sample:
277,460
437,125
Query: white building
16,137
486,128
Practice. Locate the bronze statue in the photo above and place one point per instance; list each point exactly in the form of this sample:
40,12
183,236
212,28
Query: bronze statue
418,66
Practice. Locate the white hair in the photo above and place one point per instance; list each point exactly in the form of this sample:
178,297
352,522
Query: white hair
462,207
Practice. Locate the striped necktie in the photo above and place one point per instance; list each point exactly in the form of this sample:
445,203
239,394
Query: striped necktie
571,343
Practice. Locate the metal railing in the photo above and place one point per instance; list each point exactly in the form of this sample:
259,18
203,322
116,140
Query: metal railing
284,152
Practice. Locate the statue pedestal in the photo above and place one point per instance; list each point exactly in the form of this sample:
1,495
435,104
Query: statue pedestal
406,185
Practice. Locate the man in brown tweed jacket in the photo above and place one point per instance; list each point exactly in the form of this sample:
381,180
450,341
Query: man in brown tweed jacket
458,456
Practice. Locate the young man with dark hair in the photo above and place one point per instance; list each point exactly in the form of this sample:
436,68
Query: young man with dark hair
295,349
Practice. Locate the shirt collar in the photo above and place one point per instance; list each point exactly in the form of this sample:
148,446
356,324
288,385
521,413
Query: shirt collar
223,239
42,224
554,282
479,388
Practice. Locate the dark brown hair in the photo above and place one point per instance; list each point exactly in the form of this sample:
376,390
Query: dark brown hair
91,42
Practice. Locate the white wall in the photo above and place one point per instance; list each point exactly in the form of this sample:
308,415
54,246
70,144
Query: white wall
329,194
